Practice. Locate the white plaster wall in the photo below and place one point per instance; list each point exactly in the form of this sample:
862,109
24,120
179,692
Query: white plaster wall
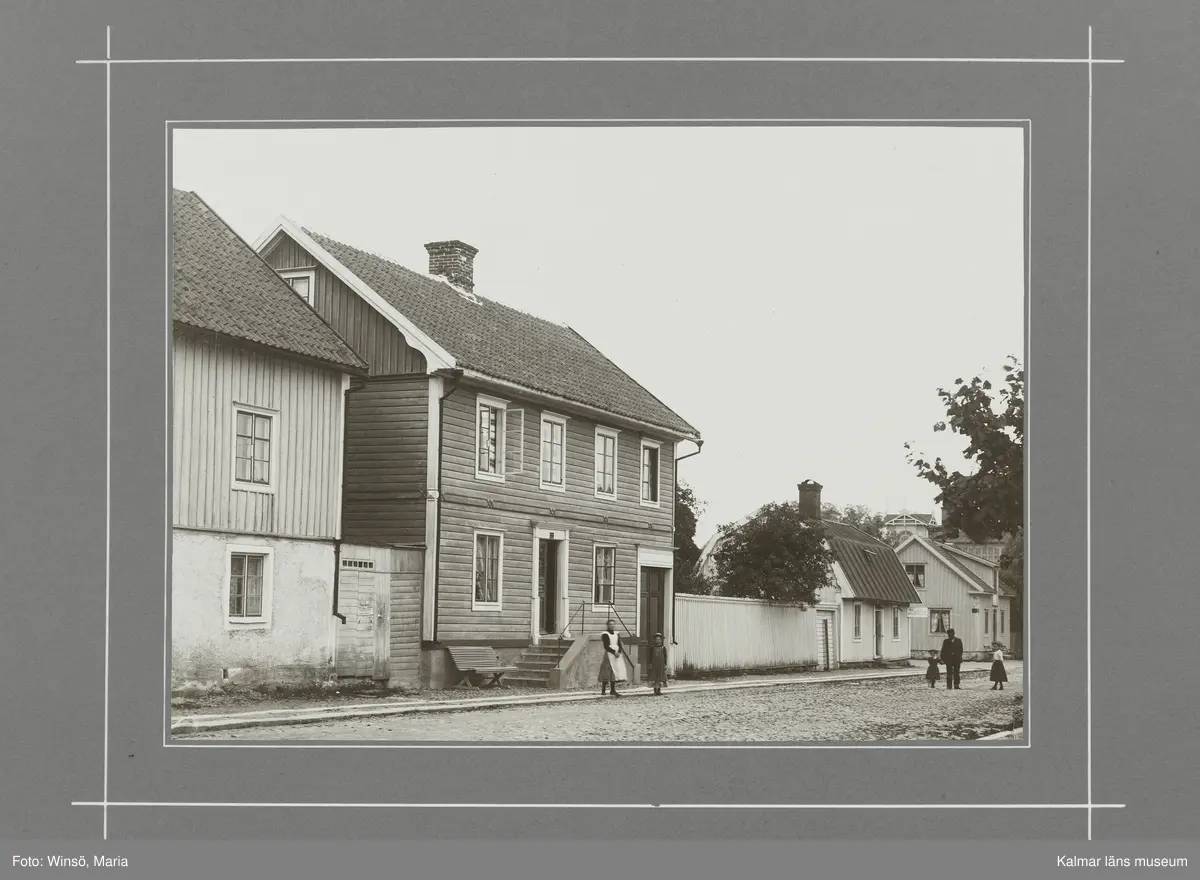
297,643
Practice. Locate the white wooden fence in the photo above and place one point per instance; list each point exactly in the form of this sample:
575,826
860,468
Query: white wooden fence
719,632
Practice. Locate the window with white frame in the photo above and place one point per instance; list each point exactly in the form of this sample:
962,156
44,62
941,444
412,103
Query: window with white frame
985,623
604,578
650,472
488,574
248,585
489,438
895,623
857,622
606,463
916,574
252,433
1002,623
302,281
939,621
554,451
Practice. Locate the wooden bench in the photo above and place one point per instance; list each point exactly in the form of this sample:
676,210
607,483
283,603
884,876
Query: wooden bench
482,661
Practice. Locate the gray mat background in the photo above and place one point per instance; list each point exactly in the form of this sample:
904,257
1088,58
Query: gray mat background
52,348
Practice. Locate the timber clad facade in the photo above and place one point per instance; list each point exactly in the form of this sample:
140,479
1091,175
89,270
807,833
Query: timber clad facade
534,479
519,504
258,384
369,333
387,428
214,380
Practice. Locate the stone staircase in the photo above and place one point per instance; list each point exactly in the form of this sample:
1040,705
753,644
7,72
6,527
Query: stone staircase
535,663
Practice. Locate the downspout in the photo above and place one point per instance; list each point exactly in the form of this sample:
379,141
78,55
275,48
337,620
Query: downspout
337,542
674,492
457,376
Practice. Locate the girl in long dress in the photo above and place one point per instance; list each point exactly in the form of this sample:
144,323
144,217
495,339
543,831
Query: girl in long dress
612,666
999,674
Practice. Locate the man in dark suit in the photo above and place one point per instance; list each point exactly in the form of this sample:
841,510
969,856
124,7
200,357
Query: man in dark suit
952,651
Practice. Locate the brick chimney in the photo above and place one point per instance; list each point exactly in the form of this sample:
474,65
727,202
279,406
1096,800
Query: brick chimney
454,261
810,499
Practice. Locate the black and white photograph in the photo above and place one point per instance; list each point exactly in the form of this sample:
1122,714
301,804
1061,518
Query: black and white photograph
598,434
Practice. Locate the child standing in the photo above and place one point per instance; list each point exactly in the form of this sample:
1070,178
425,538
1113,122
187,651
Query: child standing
999,674
658,665
932,674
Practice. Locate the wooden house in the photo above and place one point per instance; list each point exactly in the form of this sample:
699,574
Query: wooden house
958,590
258,386
901,525
537,476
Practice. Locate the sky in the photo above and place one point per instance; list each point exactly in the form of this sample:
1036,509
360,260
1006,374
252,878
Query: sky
799,294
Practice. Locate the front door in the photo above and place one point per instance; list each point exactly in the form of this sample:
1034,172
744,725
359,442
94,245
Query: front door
878,632
548,585
652,614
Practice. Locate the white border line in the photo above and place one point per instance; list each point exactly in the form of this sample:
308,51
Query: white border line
798,122
1089,440
610,806
107,395
610,59
108,61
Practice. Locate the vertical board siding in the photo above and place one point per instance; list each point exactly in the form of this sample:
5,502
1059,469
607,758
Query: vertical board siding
370,334
386,460
718,632
519,504
944,588
210,376
401,570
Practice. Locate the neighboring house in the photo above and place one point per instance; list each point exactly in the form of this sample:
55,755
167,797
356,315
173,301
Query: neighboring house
537,475
960,591
990,551
901,525
257,415
864,617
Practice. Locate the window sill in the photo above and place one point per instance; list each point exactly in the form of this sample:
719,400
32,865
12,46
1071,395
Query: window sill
253,487
246,625
489,478
551,487
605,496
486,606
651,504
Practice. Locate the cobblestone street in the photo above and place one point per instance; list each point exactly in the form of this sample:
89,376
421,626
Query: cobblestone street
895,709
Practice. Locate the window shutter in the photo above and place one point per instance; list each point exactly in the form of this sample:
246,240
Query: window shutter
514,441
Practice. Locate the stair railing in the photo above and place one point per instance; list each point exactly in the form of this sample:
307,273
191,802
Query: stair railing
582,626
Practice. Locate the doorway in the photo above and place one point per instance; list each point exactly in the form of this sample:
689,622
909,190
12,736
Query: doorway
653,611
878,632
548,591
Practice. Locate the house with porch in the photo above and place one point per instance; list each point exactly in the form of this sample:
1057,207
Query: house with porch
258,389
534,474
961,591
901,525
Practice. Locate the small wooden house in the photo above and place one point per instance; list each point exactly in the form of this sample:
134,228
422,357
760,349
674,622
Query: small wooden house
958,590
258,385
536,475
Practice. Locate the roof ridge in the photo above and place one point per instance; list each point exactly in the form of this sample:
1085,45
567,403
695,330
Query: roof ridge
439,279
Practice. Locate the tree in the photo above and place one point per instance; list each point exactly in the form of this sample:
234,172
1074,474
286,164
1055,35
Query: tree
688,509
778,555
989,503
1012,572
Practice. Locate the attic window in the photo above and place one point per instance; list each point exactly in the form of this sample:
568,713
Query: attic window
302,281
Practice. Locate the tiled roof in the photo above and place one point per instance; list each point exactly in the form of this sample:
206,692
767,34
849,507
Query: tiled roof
222,285
874,570
501,342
